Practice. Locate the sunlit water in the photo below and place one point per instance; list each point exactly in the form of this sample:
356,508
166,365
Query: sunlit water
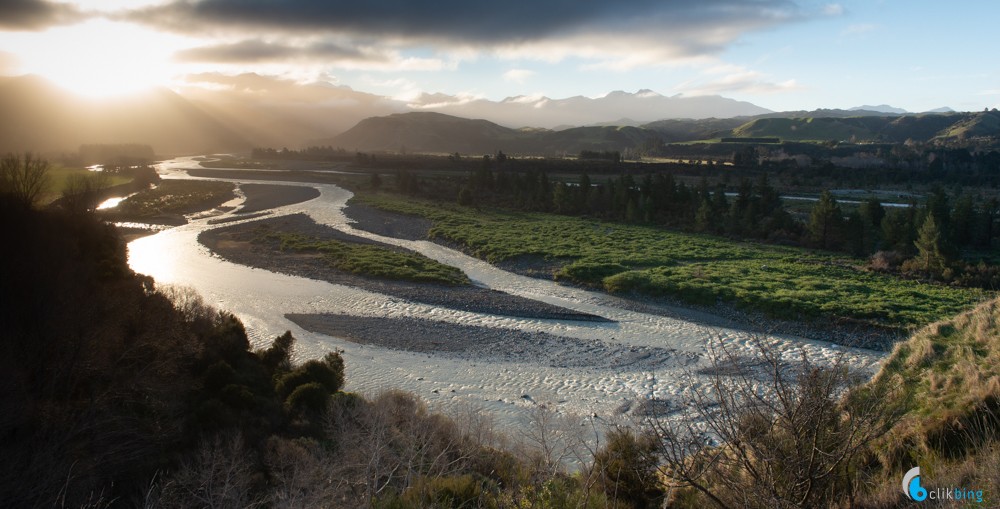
261,299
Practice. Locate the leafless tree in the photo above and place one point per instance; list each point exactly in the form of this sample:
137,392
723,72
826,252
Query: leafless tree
301,473
390,443
775,433
83,192
219,475
23,179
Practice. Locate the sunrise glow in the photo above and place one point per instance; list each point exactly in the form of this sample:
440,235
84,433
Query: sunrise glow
98,58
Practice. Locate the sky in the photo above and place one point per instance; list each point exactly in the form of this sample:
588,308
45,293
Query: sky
779,54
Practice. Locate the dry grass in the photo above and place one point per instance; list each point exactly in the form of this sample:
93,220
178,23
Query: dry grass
952,364
951,372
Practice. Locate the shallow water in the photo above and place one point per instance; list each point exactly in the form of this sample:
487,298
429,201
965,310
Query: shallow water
261,299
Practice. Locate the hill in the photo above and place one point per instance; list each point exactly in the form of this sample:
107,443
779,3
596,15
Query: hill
893,129
951,374
674,130
425,132
440,133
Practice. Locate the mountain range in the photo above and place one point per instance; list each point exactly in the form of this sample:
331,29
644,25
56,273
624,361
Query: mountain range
639,107
216,112
439,133
220,113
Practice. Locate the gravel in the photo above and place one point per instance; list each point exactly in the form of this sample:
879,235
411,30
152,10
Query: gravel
477,343
234,244
261,197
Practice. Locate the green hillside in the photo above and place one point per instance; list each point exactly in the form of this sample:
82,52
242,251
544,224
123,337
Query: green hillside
892,129
801,129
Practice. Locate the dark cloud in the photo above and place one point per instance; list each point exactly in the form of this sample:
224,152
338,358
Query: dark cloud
36,14
256,51
470,21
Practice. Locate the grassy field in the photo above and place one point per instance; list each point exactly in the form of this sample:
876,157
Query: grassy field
370,260
783,282
176,197
61,176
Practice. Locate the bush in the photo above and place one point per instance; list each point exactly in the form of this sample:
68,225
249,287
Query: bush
627,469
311,397
455,491
327,373
590,272
885,261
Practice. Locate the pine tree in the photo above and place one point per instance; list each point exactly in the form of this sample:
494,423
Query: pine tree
825,222
930,248
583,193
704,218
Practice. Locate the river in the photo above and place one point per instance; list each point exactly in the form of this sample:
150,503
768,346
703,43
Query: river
508,390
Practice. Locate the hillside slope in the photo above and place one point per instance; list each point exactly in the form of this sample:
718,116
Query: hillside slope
894,129
949,376
439,133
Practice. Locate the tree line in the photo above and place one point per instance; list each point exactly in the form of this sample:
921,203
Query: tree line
959,226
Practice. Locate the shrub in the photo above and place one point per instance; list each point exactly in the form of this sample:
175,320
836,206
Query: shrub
590,272
328,373
311,397
627,468
885,261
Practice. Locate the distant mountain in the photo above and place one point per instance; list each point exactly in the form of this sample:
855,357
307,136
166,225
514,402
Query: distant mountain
822,113
882,108
440,133
639,107
213,112
943,109
275,112
41,117
425,132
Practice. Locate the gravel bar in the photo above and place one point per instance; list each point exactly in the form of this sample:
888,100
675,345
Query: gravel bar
262,197
234,243
477,343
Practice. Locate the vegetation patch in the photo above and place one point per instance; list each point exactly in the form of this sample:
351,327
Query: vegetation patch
62,178
176,197
367,259
784,282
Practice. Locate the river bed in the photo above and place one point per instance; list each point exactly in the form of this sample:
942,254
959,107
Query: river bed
507,389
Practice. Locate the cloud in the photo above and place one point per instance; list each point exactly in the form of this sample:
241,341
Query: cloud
256,51
739,80
36,14
684,27
518,75
317,52
833,10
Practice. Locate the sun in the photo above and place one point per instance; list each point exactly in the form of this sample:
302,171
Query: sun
99,58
